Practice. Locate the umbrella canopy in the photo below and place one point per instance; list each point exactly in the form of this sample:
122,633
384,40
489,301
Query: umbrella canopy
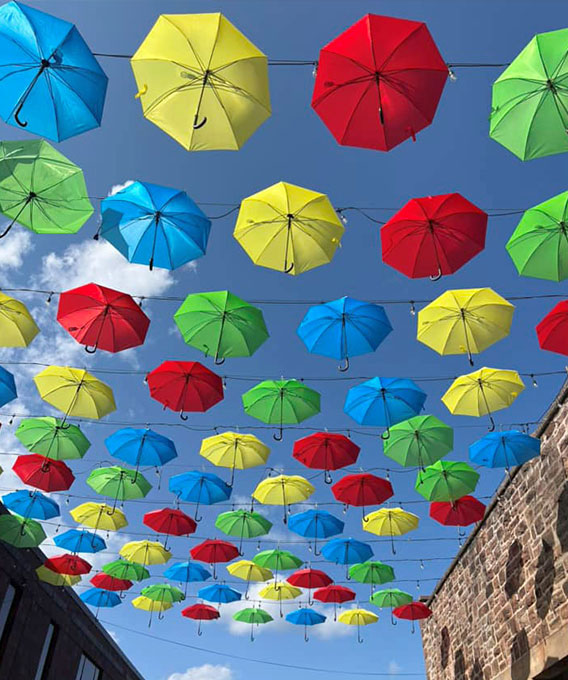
277,560
99,516
43,473
412,612
70,565
461,512
310,579
17,328
54,579
465,321
283,490
106,582
201,488
390,522
288,228
126,569
235,451
221,325
433,236
8,390
202,81
79,540
187,572
362,489
390,597
372,572
146,604
419,441
163,592
529,107
154,225
243,523
170,521
335,595
326,451
250,572
344,328
145,553
119,483
141,447
21,532
214,551
504,449
32,504
97,597
346,551
305,617
219,593
446,480
254,616
201,612
280,591
315,524
52,85
552,330
52,438
358,617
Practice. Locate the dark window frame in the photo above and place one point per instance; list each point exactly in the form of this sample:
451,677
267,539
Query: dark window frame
81,668
46,656
12,611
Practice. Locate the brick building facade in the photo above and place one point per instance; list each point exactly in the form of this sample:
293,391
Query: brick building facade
501,609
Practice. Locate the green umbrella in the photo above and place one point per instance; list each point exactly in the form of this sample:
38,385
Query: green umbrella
163,592
52,438
21,532
243,523
281,401
253,616
391,597
373,572
539,244
529,109
277,560
419,441
446,481
125,570
119,483
41,189
221,324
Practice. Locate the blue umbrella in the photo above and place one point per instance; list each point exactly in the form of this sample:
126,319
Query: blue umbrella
80,541
305,617
219,593
140,447
347,551
187,572
50,82
199,488
32,504
315,524
504,449
155,225
383,402
344,328
97,597
7,387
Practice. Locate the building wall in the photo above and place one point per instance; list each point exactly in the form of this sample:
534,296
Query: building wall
501,612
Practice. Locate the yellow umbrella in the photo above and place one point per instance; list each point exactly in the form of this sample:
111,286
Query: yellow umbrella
75,392
17,328
390,522
148,605
279,591
145,552
250,572
465,321
99,516
358,617
283,490
482,392
53,578
288,228
234,450
202,81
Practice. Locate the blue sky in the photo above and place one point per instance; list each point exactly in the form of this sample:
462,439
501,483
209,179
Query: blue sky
454,154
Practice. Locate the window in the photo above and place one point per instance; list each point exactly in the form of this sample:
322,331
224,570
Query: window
46,652
8,609
87,670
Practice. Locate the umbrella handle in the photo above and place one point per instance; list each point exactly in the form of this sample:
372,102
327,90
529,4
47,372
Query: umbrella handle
278,437
90,350
21,123
219,362
252,632
359,638
393,620
437,276
306,638
386,434
289,269
492,424
327,478
196,125
342,368
199,631
183,416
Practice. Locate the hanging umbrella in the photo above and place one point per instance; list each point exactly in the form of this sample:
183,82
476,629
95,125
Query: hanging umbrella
335,595
8,390
145,553
390,522
200,612
153,606
40,188
529,107
383,402
219,593
277,560
279,591
552,330
221,325
52,438
482,392
79,541
358,617
433,236
106,582
362,490
32,504
201,488
163,592
244,524
185,386
391,598
281,402
213,551
52,85
461,513
419,441
413,612
235,451
102,318
372,572
54,579
344,328
346,551
250,572
326,451
288,228
154,225
70,565
305,617
373,92
315,524
99,516
17,328
21,532
126,569
187,572
43,473
446,480
169,521
310,579
465,321
283,490
141,447
254,616
96,597
504,449
118,483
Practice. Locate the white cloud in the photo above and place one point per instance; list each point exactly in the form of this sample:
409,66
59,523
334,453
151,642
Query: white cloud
205,672
17,244
394,668
119,187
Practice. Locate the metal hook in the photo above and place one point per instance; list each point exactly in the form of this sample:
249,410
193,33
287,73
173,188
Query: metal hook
345,367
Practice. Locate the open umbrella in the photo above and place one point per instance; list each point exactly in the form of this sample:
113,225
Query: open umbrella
17,328
309,579
433,236
461,512
243,524
446,480
21,532
97,597
106,582
335,595
277,560
118,483
279,591
79,541
315,524
141,447
254,616
8,390
213,551
54,579
201,488
391,598
372,572
288,228
250,572
163,592
200,612
170,522
219,593
146,604
43,473
99,516
552,330
346,551
187,572
325,451
283,490
235,451
70,565
145,552
362,489
358,617
32,504
305,617
413,612
52,438
504,449
126,569
419,441
390,522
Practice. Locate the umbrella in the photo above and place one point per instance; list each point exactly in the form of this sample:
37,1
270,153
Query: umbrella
106,582
344,328
97,597
504,449
346,551
248,571
221,325
244,524
7,387
552,330
118,483
358,617
279,591
213,552
277,560
169,521
372,572
539,244
446,480
461,512
17,328
200,612
482,392
374,92
154,225
99,516
283,490
465,321
235,451
202,81
529,113
21,532
200,488
185,386
413,612
125,569
141,447
326,451
315,524
54,579
32,504
252,615
187,572
391,598
433,236
383,402
219,593
102,318
288,228
145,553
79,540
52,438
310,579
334,594
43,473
390,522
419,441
281,402
40,188
305,617
163,592
361,490
69,565
146,604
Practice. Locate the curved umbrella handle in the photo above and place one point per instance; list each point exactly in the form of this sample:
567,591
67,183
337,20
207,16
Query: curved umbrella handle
345,367
327,478
278,437
21,123
306,638
437,276
5,232
289,269
196,125
359,638
199,631
252,632
492,424
90,350
183,416
386,434
219,362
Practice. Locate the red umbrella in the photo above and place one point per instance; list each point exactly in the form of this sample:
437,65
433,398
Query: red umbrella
185,386
362,489
335,594
433,236
325,451
43,473
379,82
200,612
309,578
214,551
170,522
102,318
460,513
552,331
107,582
71,565
412,612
